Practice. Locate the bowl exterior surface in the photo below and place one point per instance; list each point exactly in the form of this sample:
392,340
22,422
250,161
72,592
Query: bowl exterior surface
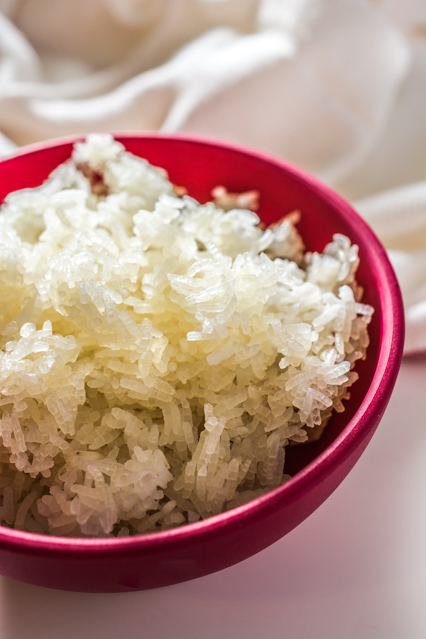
154,560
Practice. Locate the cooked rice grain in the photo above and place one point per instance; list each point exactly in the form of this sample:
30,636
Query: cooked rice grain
158,355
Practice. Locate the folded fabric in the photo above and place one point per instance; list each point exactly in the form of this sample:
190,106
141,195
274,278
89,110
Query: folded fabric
399,218
333,86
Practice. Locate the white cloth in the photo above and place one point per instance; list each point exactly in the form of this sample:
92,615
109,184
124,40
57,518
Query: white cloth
333,86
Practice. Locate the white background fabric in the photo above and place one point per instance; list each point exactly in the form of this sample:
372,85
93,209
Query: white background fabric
336,87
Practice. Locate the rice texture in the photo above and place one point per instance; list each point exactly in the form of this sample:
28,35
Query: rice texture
158,355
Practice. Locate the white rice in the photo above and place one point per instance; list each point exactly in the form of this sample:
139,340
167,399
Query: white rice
158,355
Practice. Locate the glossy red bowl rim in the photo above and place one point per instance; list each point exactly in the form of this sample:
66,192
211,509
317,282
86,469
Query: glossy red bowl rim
346,443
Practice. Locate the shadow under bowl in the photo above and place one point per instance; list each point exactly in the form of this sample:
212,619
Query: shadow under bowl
168,557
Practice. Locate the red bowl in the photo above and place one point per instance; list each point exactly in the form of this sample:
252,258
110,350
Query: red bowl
164,558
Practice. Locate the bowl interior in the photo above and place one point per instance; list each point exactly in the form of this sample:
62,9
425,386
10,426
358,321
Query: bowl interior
200,166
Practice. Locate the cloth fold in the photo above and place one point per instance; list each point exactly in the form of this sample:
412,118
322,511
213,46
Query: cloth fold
333,86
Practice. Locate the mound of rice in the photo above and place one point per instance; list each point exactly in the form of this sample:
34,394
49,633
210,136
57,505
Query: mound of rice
158,355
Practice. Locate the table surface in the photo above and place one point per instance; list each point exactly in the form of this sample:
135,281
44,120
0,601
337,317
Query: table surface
356,569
